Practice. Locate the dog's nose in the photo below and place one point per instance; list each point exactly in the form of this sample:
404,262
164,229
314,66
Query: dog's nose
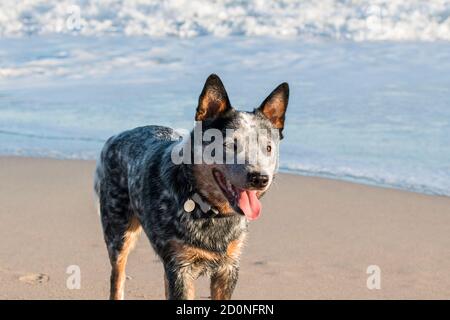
258,180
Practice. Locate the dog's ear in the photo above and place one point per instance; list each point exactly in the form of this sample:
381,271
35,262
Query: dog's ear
213,100
275,105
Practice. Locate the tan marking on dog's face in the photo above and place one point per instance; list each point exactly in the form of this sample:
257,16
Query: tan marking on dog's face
208,188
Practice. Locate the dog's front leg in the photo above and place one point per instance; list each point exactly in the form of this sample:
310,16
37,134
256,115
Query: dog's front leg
223,281
179,283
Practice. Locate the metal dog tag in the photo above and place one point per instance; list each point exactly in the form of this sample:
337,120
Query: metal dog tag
189,205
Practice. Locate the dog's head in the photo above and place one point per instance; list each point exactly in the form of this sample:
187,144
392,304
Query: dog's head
239,149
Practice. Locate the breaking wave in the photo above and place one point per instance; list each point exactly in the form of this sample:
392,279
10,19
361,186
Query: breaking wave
364,20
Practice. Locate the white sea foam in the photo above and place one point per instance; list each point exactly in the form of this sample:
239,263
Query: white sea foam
357,20
410,178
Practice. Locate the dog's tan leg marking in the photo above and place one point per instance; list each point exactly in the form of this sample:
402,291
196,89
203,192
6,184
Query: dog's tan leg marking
190,260
224,279
118,264
190,289
166,287
209,189
219,281
234,248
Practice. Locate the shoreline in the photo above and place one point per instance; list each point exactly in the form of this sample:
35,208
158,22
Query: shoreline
364,181
315,239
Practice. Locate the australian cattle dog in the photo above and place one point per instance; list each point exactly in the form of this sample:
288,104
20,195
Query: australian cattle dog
192,194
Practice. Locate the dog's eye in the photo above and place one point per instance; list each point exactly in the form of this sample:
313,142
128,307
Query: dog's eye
269,149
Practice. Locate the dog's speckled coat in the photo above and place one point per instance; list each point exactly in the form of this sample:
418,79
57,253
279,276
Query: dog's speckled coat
139,187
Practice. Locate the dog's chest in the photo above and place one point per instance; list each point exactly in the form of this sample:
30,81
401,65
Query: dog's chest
212,233
165,217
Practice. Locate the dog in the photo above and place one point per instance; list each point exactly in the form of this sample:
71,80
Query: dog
195,214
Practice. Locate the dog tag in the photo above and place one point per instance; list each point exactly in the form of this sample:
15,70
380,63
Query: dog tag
189,205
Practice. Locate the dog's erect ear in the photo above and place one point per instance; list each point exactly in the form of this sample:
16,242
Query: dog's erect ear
275,105
213,100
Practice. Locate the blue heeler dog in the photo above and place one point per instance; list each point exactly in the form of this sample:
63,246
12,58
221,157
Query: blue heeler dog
195,214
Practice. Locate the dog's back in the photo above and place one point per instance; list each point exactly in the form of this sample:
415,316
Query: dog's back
125,150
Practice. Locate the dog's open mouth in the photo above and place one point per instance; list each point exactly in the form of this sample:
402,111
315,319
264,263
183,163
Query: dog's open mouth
243,201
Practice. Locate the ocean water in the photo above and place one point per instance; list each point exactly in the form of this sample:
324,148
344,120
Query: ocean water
357,20
366,106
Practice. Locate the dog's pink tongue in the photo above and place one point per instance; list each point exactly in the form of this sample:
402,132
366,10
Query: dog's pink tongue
249,204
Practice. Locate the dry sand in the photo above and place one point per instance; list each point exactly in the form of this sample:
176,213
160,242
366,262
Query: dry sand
315,239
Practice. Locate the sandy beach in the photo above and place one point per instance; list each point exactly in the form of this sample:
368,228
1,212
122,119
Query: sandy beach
315,240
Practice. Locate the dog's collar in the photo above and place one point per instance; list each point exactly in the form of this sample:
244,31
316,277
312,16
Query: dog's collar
197,200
